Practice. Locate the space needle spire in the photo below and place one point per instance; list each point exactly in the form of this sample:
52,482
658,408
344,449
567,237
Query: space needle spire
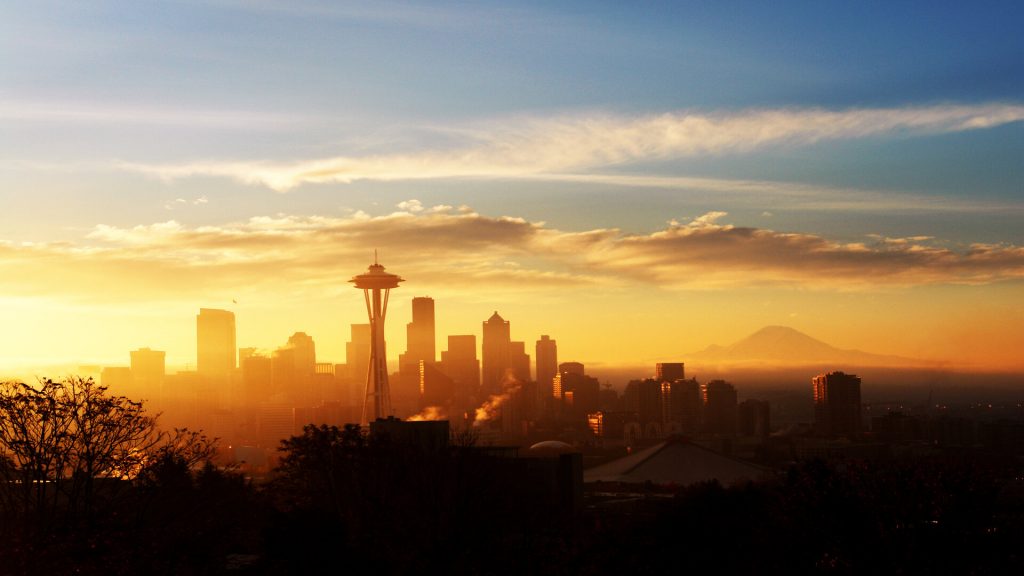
376,285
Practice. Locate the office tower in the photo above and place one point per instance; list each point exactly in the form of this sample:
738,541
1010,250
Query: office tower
649,404
459,362
357,354
496,341
420,332
580,393
836,404
519,361
436,387
669,371
257,378
420,351
215,342
148,370
719,407
547,364
683,404
571,368
754,418
118,379
376,285
285,378
304,355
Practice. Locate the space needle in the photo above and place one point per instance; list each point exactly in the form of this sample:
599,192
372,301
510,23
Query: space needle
377,402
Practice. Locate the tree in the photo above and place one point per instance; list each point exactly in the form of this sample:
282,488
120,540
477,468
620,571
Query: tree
59,439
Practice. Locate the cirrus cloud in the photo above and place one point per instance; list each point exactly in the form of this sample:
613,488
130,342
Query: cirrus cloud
582,146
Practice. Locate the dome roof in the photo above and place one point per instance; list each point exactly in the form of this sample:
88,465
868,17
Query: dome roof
552,446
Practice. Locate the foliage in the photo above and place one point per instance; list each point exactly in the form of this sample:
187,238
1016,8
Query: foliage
88,482
61,439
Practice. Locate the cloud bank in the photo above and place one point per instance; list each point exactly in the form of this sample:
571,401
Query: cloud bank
450,250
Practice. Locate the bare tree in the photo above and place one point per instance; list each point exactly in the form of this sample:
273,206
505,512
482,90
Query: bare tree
60,439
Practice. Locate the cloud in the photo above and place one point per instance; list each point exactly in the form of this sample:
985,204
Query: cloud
180,202
582,147
449,252
705,254
410,206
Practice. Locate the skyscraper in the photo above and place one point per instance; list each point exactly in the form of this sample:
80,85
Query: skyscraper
683,404
420,332
519,361
419,352
669,371
547,364
357,353
459,362
215,342
305,353
836,404
719,407
754,418
148,370
497,338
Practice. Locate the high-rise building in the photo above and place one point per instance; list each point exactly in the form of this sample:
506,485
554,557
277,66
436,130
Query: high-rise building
304,353
420,332
719,407
754,418
649,404
257,378
357,353
496,342
519,361
683,404
118,379
547,364
148,370
215,342
436,388
459,362
669,371
420,351
837,410
571,368
585,392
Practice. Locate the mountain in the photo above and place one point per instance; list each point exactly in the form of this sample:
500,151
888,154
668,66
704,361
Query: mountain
786,346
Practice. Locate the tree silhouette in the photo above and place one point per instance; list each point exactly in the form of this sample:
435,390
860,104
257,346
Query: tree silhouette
67,444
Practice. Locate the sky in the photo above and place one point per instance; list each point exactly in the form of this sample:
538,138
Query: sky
638,180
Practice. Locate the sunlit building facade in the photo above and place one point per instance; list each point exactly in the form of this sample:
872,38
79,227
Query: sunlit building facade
496,362
837,406
215,342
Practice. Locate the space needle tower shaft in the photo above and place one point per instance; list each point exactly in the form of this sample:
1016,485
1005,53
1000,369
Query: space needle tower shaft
376,285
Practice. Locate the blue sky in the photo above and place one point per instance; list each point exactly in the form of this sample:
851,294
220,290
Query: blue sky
853,123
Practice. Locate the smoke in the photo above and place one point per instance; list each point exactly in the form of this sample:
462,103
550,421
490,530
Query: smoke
491,408
429,413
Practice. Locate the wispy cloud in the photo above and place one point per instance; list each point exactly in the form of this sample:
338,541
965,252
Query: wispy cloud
583,147
450,250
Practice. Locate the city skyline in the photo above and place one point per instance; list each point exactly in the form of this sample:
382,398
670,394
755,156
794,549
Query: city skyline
641,182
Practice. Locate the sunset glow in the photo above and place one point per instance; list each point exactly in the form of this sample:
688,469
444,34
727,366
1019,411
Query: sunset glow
640,209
